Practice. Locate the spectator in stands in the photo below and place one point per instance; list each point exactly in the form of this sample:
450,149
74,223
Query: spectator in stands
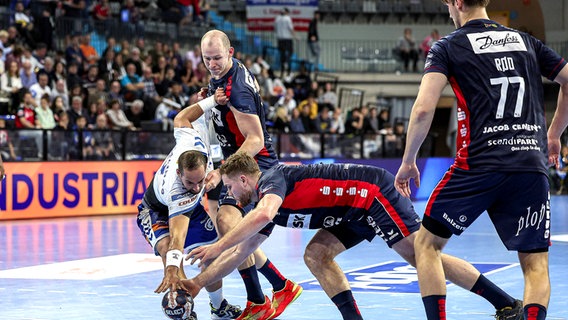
91,115
27,75
132,18
117,117
384,118
302,84
7,151
26,119
58,73
296,123
134,113
167,82
83,142
258,65
106,65
407,49
354,122
91,57
115,93
307,121
24,23
73,78
194,56
287,101
136,60
273,88
40,56
132,84
60,90
373,120
400,134
102,138
98,92
285,34
4,45
27,56
58,106
90,79
312,105
329,96
44,114
77,110
61,137
119,67
73,53
323,120
151,97
313,41
10,86
41,88
337,122
429,41
281,120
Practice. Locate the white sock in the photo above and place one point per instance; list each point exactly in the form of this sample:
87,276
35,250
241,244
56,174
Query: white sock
216,297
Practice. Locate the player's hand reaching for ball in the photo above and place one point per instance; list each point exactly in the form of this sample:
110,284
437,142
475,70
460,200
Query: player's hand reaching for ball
205,254
170,281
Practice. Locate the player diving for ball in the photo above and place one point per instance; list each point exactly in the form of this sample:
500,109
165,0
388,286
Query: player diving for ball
171,216
348,203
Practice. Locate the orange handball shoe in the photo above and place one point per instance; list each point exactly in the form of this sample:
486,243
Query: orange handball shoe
281,299
255,311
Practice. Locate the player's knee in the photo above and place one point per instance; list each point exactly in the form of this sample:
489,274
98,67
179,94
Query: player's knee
315,256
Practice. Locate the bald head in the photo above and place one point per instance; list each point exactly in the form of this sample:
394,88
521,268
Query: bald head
216,35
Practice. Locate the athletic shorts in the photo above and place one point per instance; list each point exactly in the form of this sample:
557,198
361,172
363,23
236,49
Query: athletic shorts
392,220
518,204
154,227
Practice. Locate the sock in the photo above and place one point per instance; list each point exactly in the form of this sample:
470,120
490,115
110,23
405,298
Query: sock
492,293
273,276
435,307
216,297
252,285
347,305
534,311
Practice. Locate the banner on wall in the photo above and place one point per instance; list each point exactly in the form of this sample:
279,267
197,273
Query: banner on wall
261,13
64,189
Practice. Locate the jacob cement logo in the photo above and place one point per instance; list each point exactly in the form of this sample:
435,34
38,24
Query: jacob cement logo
394,277
496,41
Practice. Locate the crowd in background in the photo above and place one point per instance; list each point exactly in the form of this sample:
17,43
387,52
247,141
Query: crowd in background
133,85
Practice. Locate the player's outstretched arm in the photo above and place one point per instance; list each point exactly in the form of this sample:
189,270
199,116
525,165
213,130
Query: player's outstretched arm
560,119
174,254
186,116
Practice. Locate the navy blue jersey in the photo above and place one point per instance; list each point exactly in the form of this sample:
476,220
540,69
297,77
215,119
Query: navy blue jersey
241,89
325,195
494,72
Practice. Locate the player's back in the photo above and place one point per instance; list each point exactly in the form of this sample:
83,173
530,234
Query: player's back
495,74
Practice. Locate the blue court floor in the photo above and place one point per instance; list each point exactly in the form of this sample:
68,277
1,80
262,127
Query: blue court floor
101,268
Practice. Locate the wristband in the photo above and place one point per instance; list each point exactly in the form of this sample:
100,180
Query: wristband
207,103
174,258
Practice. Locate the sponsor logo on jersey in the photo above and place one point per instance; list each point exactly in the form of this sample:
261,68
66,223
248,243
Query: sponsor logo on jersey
299,221
496,41
394,277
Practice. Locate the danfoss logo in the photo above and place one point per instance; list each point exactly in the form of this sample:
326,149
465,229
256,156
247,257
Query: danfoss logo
496,41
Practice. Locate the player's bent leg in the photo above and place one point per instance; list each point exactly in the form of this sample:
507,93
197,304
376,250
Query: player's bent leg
320,259
537,280
427,249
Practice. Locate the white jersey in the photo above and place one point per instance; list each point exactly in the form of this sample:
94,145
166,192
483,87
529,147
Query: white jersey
167,187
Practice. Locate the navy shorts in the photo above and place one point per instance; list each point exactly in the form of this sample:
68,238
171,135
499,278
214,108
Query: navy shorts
518,204
154,227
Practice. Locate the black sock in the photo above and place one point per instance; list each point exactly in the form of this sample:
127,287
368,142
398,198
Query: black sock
492,293
435,307
534,311
347,305
252,285
273,276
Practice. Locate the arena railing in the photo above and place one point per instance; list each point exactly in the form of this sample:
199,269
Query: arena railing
95,145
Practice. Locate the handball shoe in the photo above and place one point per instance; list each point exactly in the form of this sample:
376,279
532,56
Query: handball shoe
282,298
511,313
225,311
255,311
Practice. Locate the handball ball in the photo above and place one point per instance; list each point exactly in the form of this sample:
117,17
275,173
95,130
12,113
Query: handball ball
177,306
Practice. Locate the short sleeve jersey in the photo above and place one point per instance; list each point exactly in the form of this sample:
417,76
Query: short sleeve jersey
325,194
495,73
166,191
241,89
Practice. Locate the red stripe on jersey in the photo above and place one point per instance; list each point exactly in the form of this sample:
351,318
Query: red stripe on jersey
392,213
462,140
437,190
317,193
234,128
